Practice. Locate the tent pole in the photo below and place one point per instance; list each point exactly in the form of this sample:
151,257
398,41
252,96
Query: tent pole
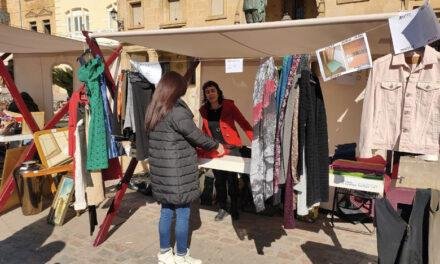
116,203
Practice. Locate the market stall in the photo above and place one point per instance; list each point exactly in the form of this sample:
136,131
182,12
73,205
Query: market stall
343,95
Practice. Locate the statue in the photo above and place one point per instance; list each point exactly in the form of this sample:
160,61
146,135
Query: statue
255,10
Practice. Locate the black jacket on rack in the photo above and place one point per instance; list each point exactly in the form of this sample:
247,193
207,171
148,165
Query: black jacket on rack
312,134
142,94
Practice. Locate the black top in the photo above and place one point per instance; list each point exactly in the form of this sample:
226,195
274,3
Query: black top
214,124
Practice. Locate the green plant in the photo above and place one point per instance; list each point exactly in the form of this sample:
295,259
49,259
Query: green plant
63,78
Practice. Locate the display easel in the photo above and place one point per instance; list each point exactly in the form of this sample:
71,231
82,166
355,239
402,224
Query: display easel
30,149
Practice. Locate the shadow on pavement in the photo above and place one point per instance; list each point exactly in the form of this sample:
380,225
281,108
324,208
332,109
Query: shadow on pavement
262,230
195,220
321,253
131,202
29,241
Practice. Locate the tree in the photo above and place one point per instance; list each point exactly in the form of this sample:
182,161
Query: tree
63,77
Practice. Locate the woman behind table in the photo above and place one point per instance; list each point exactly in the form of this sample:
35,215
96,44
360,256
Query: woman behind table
219,116
173,137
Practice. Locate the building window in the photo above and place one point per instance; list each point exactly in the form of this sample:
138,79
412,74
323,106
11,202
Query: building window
137,14
46,26
77,20
175,11
217,7
112,23
33,26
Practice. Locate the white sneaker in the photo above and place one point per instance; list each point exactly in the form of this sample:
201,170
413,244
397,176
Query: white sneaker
187,259
166,258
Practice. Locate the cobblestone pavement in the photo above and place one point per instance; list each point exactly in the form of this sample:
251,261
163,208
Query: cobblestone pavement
134,238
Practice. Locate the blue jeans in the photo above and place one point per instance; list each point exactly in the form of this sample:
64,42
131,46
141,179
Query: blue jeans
181,230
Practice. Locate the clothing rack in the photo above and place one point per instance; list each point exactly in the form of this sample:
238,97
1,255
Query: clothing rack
30,149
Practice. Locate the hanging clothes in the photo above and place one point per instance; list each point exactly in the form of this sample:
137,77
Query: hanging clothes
401,106
282,84
81,174
90,73
264,125
403,237
434,227
313,136
129,120
290,151
109,122
74,103
152,71
119,102
142,92
301,188
94,184
292,63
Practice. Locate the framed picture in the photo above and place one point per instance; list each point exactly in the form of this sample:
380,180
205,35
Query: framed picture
344,57
61,201
52,146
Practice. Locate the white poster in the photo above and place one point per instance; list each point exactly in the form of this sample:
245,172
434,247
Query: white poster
347,56
414,29
233,65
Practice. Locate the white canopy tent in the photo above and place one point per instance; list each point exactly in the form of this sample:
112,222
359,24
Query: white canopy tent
16,40
262,39
35,54
270,39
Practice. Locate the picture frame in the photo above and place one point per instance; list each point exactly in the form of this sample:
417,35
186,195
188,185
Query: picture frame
61,201
52,146
350,55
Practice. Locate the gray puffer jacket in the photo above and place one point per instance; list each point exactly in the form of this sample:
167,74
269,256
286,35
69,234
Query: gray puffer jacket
173,158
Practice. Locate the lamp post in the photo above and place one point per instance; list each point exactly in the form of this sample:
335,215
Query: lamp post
120,22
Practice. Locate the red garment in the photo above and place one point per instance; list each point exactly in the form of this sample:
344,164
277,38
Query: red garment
73,120
230,114
114,170
358,166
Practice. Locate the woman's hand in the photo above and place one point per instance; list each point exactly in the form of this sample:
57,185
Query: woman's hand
220,149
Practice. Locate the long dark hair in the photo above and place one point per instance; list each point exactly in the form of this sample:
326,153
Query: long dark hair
169,89
219,92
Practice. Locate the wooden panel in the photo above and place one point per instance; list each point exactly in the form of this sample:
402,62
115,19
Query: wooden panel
11,158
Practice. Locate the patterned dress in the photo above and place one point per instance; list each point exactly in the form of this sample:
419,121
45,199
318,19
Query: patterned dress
264,125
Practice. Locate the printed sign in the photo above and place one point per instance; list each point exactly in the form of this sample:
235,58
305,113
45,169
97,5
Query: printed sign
414,29
347,56
233,65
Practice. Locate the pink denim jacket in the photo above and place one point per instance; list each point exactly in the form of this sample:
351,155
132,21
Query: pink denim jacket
401,109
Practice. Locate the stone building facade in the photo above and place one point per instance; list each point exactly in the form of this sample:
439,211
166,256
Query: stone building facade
36,15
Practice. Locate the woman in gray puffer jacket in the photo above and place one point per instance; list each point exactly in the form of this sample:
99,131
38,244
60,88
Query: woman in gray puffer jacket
173,137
